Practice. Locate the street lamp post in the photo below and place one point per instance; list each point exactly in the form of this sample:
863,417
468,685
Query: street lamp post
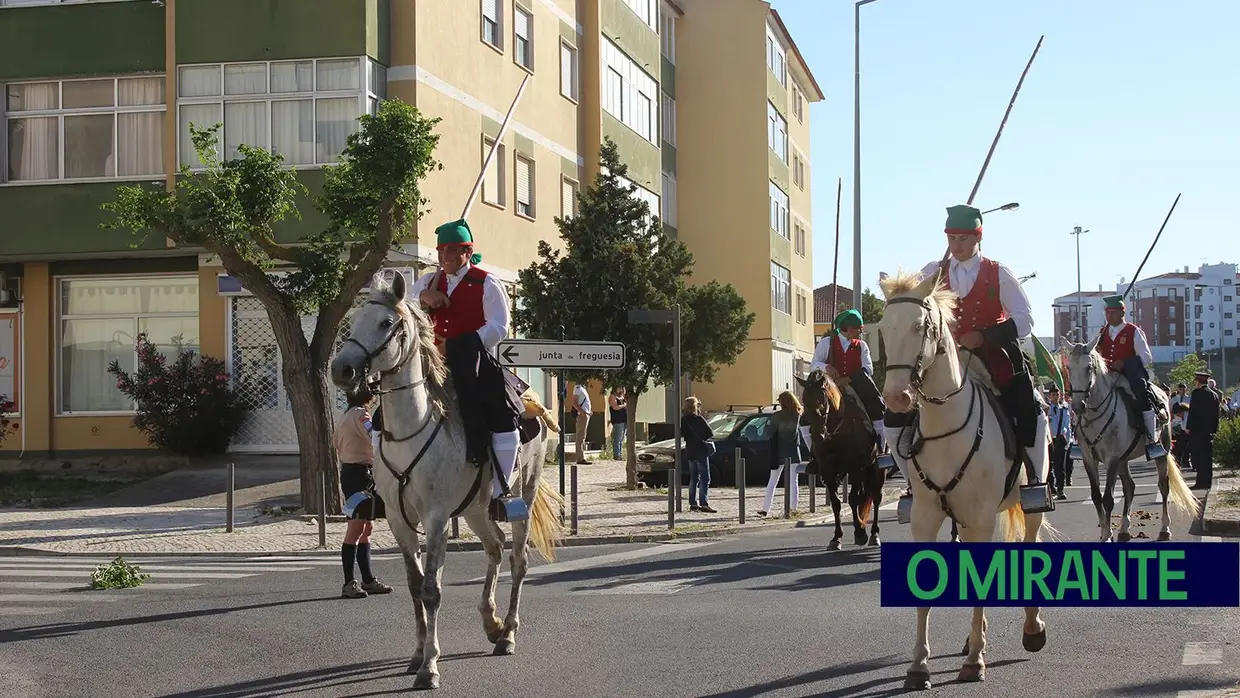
1222,338
857,152
1080,328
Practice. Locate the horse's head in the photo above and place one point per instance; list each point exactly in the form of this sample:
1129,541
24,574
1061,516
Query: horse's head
384,336
915,330
1084,366
819,396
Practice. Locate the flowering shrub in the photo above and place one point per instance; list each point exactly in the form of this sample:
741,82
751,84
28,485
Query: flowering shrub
7,426
186,407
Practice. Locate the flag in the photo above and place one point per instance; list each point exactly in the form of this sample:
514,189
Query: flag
1045,364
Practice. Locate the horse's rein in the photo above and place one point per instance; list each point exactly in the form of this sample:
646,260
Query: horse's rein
399,328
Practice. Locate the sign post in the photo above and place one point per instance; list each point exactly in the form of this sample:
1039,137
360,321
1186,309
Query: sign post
638,316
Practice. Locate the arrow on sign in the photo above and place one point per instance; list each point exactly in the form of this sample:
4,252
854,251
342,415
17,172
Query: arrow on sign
535,353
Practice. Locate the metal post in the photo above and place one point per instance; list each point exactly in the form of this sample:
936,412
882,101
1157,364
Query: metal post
1222,340
573,500
563,390
323,509
232,471
740,484
456,527
1080,330
813,491
679,400
671,501
856,156
789,478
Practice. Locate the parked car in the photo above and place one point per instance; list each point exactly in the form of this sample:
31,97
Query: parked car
749,430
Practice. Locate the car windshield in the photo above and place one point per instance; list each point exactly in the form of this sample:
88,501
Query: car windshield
722,424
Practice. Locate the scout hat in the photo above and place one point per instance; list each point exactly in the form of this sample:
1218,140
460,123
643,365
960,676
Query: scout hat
456,234
1114,302
964,219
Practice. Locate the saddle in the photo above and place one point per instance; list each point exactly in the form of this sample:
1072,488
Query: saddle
852,398
1161,414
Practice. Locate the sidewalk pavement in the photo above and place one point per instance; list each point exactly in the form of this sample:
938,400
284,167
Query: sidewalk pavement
196,526
1221,513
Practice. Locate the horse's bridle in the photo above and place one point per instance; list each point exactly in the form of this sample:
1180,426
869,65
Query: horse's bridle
399,329
932,334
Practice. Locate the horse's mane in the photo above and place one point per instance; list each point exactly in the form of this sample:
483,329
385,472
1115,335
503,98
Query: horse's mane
434,368
904,283
834,396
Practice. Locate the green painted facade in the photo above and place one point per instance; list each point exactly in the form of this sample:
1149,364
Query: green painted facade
633,36
60,219
667,79
639,154
107,38
211,31
669,157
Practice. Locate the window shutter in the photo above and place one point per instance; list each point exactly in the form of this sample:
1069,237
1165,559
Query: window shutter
523,24
568,85
523,181
490,10
568,199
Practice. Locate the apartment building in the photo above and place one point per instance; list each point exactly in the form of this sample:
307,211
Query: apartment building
110,100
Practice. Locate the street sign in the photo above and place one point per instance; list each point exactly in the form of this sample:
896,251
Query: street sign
641,316
538,353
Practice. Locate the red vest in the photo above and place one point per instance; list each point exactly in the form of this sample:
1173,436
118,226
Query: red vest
1119,349
848,361
464,314
981,309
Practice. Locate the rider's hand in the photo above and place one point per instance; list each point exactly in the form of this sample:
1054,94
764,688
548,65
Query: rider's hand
433,299
1117,366
972,340
832,371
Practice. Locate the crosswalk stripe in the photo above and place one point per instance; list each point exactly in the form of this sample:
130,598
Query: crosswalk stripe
79,573
600,560
29,610
159,568
25,598
69,586
1196,653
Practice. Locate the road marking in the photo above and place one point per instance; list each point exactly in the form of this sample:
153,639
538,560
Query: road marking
79,573
600,560
663,586
1197,653
26,598
63,586
29,610
1211,539
159,568
1200,693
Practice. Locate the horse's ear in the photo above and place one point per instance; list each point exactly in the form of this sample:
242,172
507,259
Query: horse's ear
399,288
1093,343
1067,342
800,381
927,286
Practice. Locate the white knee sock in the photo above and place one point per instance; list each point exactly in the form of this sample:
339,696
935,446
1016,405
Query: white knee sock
1151,424
506,445
893,438
1037,452
881,432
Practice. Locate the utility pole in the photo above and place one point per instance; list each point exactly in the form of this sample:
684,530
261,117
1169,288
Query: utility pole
1080,311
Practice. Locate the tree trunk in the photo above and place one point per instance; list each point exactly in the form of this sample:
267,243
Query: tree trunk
630,438
309,394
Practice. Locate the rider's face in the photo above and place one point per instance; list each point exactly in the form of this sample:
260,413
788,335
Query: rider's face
1115,316
853,332
453,258
963,246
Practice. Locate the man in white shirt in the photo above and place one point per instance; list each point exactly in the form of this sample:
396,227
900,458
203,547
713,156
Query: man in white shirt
992,316
470,310
1060,417
1123,347
581,403
844,357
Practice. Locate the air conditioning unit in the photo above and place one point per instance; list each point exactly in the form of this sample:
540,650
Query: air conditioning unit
9,295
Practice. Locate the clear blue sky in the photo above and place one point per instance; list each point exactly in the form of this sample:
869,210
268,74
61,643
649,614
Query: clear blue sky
1126,105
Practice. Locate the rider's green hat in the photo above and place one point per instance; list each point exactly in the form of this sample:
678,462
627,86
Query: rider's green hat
848,318
1114,302
963,219
454,234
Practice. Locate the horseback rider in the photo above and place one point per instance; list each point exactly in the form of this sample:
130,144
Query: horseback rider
1125,350
845,357
992,316
470,310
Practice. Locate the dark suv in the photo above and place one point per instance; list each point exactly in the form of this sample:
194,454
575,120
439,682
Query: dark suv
749,430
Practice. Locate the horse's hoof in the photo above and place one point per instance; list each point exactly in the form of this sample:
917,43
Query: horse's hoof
917,681
972,672
1124,536
834,544
1165,535
415,665
493,636
874,542
860,538
504,648
955,539
1034,642
426,681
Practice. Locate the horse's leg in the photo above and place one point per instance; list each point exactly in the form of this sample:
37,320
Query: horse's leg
927,520
518,561
878,479
855,502
1095,493
974,667
955,532
1130,491
1164,488
492,537
833,484
436,525
407,538
1034,638
1108,498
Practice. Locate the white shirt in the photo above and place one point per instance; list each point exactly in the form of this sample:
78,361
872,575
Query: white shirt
494,304
819,361
1138,342
1011,294
583,397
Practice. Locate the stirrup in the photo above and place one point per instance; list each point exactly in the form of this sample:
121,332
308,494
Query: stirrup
1036,498
1154,450
1074,452
904,509
886,462
509,509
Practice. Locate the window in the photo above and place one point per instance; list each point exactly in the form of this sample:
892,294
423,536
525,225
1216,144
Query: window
667,32
568,70
568,197
781,286
525,186
669,120
801,307
523,37
493,24
798,104
779,210
777,132
669,199
10,370
776,58
629,93
493,183
85,129
645,10
799,241
100,319
303,110
642,194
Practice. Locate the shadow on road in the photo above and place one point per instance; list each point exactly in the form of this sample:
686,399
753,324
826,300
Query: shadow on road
844,670
1169,686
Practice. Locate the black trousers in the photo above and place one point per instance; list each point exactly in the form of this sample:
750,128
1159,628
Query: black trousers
488,402
1138,380
1202,448
1018,398
871,400
1061,468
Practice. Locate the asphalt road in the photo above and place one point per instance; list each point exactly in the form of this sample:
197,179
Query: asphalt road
767,614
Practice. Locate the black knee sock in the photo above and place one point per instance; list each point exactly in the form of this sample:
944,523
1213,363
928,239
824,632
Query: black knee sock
348,552
363,562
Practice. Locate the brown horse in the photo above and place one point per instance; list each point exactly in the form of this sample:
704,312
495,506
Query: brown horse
843,446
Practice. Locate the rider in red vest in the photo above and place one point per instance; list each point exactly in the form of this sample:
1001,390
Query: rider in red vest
992,316
846,358
470,310
1125,350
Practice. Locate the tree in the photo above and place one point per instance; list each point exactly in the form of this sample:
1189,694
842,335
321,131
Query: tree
871,308
618,256
1186,369
872,314
370,199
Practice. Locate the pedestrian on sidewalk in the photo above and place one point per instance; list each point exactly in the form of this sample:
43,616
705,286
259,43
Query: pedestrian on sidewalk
699,447
785,443
582,409
618,408
362,504
1060,414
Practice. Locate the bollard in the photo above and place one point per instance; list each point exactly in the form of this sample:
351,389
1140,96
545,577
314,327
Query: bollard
323,509
456,527
740,483
573,499
232,480
671,500
813,491
789,478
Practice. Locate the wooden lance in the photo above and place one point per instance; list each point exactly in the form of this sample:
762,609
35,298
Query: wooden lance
1151,250
835,271
486,164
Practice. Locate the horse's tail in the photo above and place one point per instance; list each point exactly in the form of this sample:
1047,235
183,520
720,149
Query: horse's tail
546,531
1177,490
548,420
1012,526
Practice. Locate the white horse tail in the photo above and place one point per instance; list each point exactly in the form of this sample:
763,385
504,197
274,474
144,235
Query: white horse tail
546,531
1012,526
1177,490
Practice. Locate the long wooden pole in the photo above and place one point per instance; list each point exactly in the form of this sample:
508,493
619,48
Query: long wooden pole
835,271
1151,250
499,138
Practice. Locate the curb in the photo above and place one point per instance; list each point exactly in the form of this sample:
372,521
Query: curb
569,541
1216,527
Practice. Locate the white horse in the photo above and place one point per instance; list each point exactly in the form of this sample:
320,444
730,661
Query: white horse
422,473
963,468
1100,402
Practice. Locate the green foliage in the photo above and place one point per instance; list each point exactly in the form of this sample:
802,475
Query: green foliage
871,308
1185,371
7,425
1227,443
618,256
117,574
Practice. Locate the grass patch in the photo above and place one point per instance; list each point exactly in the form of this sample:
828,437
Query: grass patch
1229,498
35,490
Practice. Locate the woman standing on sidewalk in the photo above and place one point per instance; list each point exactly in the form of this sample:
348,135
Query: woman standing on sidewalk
699,445
362,505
